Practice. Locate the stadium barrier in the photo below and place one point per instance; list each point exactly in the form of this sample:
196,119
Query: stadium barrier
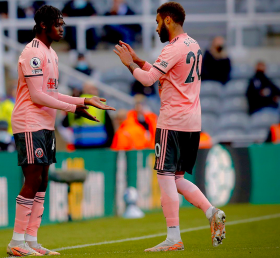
224,174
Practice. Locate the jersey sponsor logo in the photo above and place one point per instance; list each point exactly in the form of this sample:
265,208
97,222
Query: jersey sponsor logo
37,71
163,64
39,153
189,41
52,84
49,61
35,62
158,60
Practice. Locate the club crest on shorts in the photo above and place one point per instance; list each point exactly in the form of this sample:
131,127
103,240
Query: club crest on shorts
39,153
35,62
157,150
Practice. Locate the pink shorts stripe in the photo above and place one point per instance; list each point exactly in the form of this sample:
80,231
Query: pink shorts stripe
27,148
31,149
163,149
165,145
161,146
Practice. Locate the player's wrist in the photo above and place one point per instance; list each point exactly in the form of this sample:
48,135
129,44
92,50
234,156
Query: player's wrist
86,101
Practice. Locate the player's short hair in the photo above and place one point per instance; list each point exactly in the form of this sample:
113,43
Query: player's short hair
174,10
48,15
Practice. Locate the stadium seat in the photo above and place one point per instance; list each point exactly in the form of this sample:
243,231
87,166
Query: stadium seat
230,133
120,85
210,105
233,121
211,89
120,74
263,119
276,82
209,123
260,133
234,104
273,70
242,71
235,88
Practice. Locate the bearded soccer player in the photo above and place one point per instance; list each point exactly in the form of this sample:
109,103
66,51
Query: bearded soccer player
33,121
178,70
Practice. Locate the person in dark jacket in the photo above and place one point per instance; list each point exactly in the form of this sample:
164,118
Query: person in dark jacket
216,65
117,32
80,8
261,92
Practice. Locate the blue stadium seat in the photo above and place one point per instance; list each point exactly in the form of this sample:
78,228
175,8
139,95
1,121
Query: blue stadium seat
273,70
234,104
210,104
235,88
118,74
209,123
242,71
263,119
230,132
233,121
211,89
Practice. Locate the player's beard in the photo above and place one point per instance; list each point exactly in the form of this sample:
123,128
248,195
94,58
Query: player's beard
164,35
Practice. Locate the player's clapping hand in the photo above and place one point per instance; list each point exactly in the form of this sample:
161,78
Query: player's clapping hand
124,54
97,102
131,51
81,110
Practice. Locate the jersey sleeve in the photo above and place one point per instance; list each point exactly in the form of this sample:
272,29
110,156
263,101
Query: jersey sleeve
32,62
168,58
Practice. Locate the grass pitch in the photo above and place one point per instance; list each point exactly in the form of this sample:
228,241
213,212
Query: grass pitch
245,237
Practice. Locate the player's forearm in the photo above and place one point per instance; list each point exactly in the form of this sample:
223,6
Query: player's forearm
71,100
147,78
40,98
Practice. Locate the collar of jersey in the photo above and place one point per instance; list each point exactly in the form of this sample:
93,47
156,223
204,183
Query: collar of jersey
43,44
178,36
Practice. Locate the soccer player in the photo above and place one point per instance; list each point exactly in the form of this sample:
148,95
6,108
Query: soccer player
178,70
33,122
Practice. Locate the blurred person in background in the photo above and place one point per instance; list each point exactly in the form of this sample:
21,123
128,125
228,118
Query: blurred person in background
261,92
138,88
216,65
205,140
25,36
80,8
82,65
274,134
6,139
143,116
7,106
129,135
114,33
89,134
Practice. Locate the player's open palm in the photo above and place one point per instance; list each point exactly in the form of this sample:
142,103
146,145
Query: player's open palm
97,102
81,110
131,50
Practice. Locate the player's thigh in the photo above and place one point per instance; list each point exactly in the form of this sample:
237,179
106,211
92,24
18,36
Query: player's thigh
33,174
166,151
189,144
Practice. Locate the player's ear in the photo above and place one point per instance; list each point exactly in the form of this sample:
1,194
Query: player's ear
42,25
167,20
